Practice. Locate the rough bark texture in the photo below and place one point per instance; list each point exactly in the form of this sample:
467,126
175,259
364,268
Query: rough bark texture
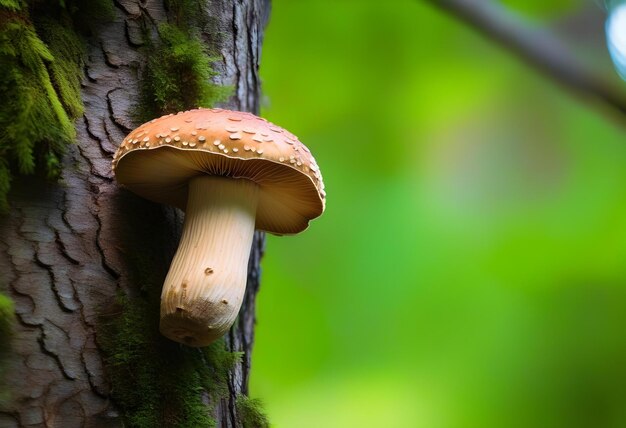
65,247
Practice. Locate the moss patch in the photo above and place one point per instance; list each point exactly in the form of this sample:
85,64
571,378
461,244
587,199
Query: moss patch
179,70
41,54
251,413
7,320
157,382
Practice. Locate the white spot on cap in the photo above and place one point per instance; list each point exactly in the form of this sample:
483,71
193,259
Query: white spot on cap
235,136
201,138
217,142
231,129
249,130
235,149
257,139
174,129
168,139
221,147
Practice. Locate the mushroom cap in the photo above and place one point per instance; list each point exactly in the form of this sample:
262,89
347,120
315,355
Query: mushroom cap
157,160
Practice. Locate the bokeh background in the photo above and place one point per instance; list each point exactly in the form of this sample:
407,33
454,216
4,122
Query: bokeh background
470,269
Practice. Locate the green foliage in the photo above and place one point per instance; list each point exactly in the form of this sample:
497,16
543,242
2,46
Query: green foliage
178,75
251,412
478,321
7,319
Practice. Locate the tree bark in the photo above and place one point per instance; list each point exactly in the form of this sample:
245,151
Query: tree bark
65,247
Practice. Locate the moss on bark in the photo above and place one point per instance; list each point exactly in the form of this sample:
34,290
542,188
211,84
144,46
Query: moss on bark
179,70
251,413
41,53
157,382
7,319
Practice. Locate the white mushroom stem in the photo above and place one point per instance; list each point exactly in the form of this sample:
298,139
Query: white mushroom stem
206,282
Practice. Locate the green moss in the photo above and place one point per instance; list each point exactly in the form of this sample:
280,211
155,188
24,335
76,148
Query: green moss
42,57
68,51
251,413
7,320
12,5
35,124
178,75
156,382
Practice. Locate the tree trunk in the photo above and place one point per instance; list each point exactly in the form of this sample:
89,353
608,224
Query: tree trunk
67,248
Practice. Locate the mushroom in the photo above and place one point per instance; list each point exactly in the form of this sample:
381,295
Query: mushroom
231,172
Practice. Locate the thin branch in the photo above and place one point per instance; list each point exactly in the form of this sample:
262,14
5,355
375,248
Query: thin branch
537,46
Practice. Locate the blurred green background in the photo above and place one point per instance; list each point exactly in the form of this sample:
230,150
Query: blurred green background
470,269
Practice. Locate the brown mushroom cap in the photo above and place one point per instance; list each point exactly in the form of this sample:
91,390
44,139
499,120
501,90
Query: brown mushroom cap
157,160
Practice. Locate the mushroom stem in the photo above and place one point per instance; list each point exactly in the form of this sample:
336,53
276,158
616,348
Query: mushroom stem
204,287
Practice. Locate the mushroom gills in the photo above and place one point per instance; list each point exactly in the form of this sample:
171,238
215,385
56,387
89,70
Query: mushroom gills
205,285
